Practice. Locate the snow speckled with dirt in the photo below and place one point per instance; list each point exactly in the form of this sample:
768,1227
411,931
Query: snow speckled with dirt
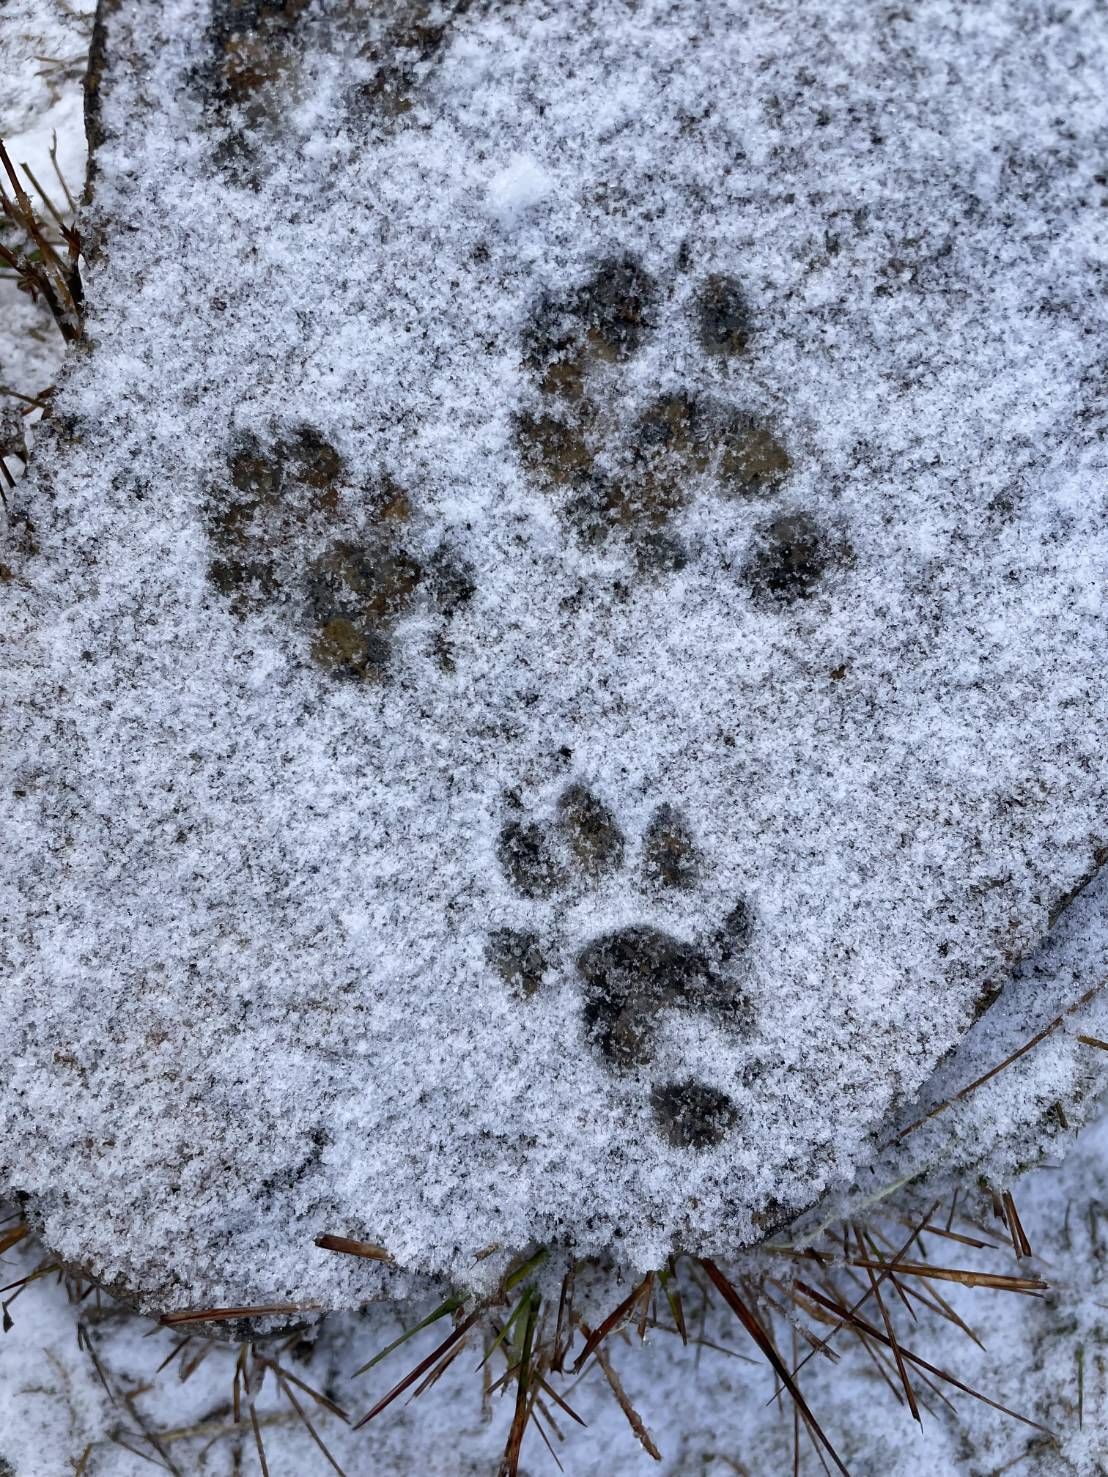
559,647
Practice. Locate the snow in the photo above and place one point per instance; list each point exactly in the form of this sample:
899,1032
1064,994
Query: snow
250,994
706,1408
517,188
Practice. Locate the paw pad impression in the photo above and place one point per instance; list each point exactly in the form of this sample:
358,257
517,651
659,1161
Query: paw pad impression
618,473
631,976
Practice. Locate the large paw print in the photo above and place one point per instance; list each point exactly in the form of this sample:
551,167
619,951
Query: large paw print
632,976
617,472
292,531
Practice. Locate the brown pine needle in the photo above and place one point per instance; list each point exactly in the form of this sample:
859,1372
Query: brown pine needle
764,1343
351,1247
13,1236
439,1370
610,1324
1020,1244
258,1442
286,1390
668,1279
563,1324
541,1413
318,1396
1093,1041
1028,1286
855,1321
867,1294
225,1315
634,1420
965,1092
421,1368
931,1298
950,1235
561,1403
909,1393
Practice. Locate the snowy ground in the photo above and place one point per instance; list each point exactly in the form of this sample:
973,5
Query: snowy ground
708,1411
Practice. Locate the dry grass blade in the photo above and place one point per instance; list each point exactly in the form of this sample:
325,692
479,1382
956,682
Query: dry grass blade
354,1248
57,281
509,1466
421,1368
856,1322
909,1393
451,1305
1049,1030
286,1390
13,1236
1020,1244
997,1281
611,1323
765,1344
1093,1041
225,1315
634,1420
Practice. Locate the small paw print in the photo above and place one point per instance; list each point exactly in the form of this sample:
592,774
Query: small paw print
292,531
631,976
620,474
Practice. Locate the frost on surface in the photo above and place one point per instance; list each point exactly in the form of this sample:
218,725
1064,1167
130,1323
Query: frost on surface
561,662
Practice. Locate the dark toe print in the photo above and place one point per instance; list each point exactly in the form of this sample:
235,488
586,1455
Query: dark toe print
790,557
555,447
517,957
603,321
752,460
722,317
735,932
632,976
293,533
692,1115
528,859
539,858
266,508
249,77
356,594
590,828
249,41
670,855
401,54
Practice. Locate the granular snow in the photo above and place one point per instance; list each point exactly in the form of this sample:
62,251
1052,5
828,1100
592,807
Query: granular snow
557,659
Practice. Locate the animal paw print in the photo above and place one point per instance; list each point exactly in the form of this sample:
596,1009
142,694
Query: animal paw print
629,977
293,532
629,475
253,70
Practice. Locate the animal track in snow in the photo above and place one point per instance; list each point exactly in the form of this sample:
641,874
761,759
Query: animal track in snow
630,976
620,474
291,529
